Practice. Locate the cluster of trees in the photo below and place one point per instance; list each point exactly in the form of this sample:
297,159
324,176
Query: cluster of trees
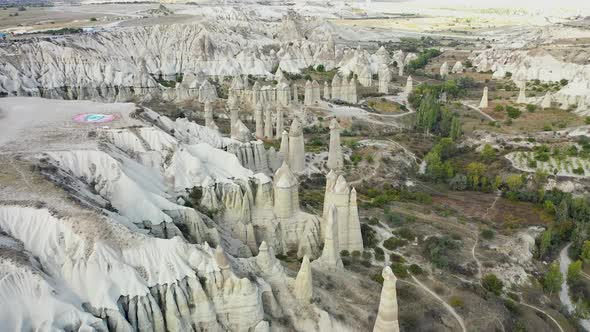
422,60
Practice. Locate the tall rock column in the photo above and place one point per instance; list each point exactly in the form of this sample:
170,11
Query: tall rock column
387,320
336,94
255,93
546,103
233,118
352,96
303,287
384,78
315,91
259,118
409,86
296,147
280,122
400,69
331,253
444,70
308,95
335,160
343,199
267,122
484,98
522,94
284,150
295,94
286,192
326,91
209,122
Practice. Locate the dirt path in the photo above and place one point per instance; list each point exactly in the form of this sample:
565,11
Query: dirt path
450,309
543,312
485,115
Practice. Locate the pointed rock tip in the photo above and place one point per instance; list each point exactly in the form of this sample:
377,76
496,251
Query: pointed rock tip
263,247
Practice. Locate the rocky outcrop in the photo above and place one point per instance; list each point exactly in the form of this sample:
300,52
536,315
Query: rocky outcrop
484,99
315,91
327,94
444,70
387,320
336,88
330,257
308,94
280,121
303,287
283,92
457,68
207,92
268,122
296,147
522,94
259,119
335,159
209,121
546,102
384,79
409,86
339,196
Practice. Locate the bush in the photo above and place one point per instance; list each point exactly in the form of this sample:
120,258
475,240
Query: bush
344,253
93,19
436,249
379,254
369,236
406,233
393,257
531,108
513,112
456,302
356,254
399,270
492,284
415,269
488,234
320,68
393,243
499,108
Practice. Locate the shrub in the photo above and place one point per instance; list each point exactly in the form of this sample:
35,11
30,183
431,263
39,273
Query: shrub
492,284
344,253
379,254
393,243
456,301
499,108
415,269
369,236
356,254
436,249
513,112
93,19
531,108
406,233
320,68
393,257
399,270
488,234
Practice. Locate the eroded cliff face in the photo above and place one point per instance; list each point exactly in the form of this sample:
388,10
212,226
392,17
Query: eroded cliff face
123,226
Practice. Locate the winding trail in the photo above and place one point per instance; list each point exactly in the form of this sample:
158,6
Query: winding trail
543,312
482,113
445,304
564,296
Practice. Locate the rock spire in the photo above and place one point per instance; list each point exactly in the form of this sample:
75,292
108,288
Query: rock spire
484,99
546,103
296,147
409,86
303,287
384,78
267,122
335,160
444,70
387,319
331,253
522,94
259,118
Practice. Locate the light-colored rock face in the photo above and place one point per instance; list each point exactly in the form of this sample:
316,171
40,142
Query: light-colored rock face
484,98
457,67
330,257
259,118
409,86
522,99
444,70
384,79
547,99
336,88
296,147
268,122
387,317
327,94
303,287
335,159
339,196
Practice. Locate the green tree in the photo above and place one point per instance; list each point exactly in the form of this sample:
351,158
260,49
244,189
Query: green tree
475,172
488,154
491,283
553,279
573,271
514,182
545,243
562,211
456,130
585,253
